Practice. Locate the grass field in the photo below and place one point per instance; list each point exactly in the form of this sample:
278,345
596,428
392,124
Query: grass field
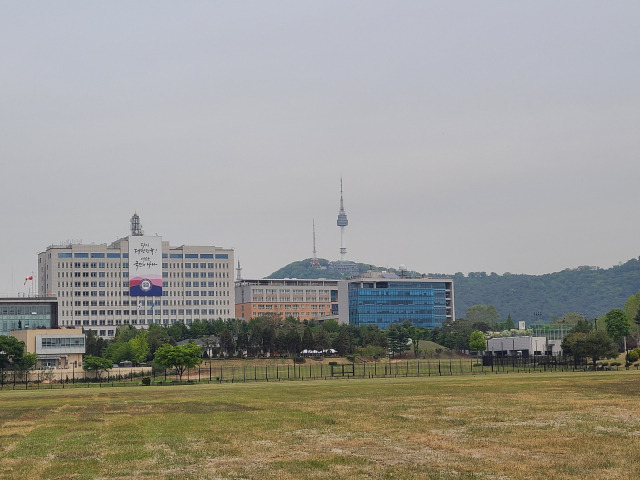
542,425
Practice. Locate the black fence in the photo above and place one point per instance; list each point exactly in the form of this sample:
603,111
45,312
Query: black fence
218,371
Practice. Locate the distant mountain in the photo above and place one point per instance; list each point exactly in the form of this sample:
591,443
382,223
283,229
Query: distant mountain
303,269
591,291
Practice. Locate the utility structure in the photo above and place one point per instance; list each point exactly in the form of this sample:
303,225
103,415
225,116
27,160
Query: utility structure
239,272
342,222
314,261
136,227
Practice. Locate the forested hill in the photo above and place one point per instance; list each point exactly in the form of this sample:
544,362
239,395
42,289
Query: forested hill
588,290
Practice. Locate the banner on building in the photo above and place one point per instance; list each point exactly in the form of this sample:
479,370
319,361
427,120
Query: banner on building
145,266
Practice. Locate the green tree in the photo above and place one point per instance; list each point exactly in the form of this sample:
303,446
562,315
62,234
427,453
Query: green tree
307,339
91,363
322,339
482,313
254,340
25,363
398,337
118,352
582,325
125,333
198,329
617,324
373,335
633,355
94,345
416,334
482,326
343,343
477,342
331,326
157,336
570,319
292,341
227,344
631,308
508,324
595,345
11,350
179,357
139,347
178,331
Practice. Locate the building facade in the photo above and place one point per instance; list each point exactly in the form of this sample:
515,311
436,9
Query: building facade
301,299
383,299
27,313
518,346
60,348
99,289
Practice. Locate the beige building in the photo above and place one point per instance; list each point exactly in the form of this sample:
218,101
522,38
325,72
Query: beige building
301,299
91,282
56,348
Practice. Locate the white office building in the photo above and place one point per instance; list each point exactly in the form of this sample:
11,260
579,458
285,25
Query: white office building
137,280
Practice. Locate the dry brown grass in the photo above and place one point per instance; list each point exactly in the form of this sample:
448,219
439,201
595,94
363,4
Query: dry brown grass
530,426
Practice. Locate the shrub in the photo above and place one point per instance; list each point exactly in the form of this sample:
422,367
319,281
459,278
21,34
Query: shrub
333,363
351,358
146,380
299,360
604,364
371,351
633,356
478,364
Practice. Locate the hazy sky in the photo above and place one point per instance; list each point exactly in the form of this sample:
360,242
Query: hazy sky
471,136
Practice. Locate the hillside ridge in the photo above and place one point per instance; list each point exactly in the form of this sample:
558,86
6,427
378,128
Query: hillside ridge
587,290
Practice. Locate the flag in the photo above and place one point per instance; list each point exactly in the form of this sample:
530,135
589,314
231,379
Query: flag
30,277
139,305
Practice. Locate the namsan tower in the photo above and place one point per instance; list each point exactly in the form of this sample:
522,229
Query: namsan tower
342,222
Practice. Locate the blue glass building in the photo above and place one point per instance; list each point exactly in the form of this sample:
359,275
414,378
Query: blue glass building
384,301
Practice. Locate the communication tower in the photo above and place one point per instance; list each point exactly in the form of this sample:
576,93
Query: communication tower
342,222
314,261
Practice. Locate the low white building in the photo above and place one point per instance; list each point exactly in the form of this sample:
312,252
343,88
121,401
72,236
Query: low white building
518,346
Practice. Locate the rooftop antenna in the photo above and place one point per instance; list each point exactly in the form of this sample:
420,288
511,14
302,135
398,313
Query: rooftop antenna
314,261
342,222
239,273
136,228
